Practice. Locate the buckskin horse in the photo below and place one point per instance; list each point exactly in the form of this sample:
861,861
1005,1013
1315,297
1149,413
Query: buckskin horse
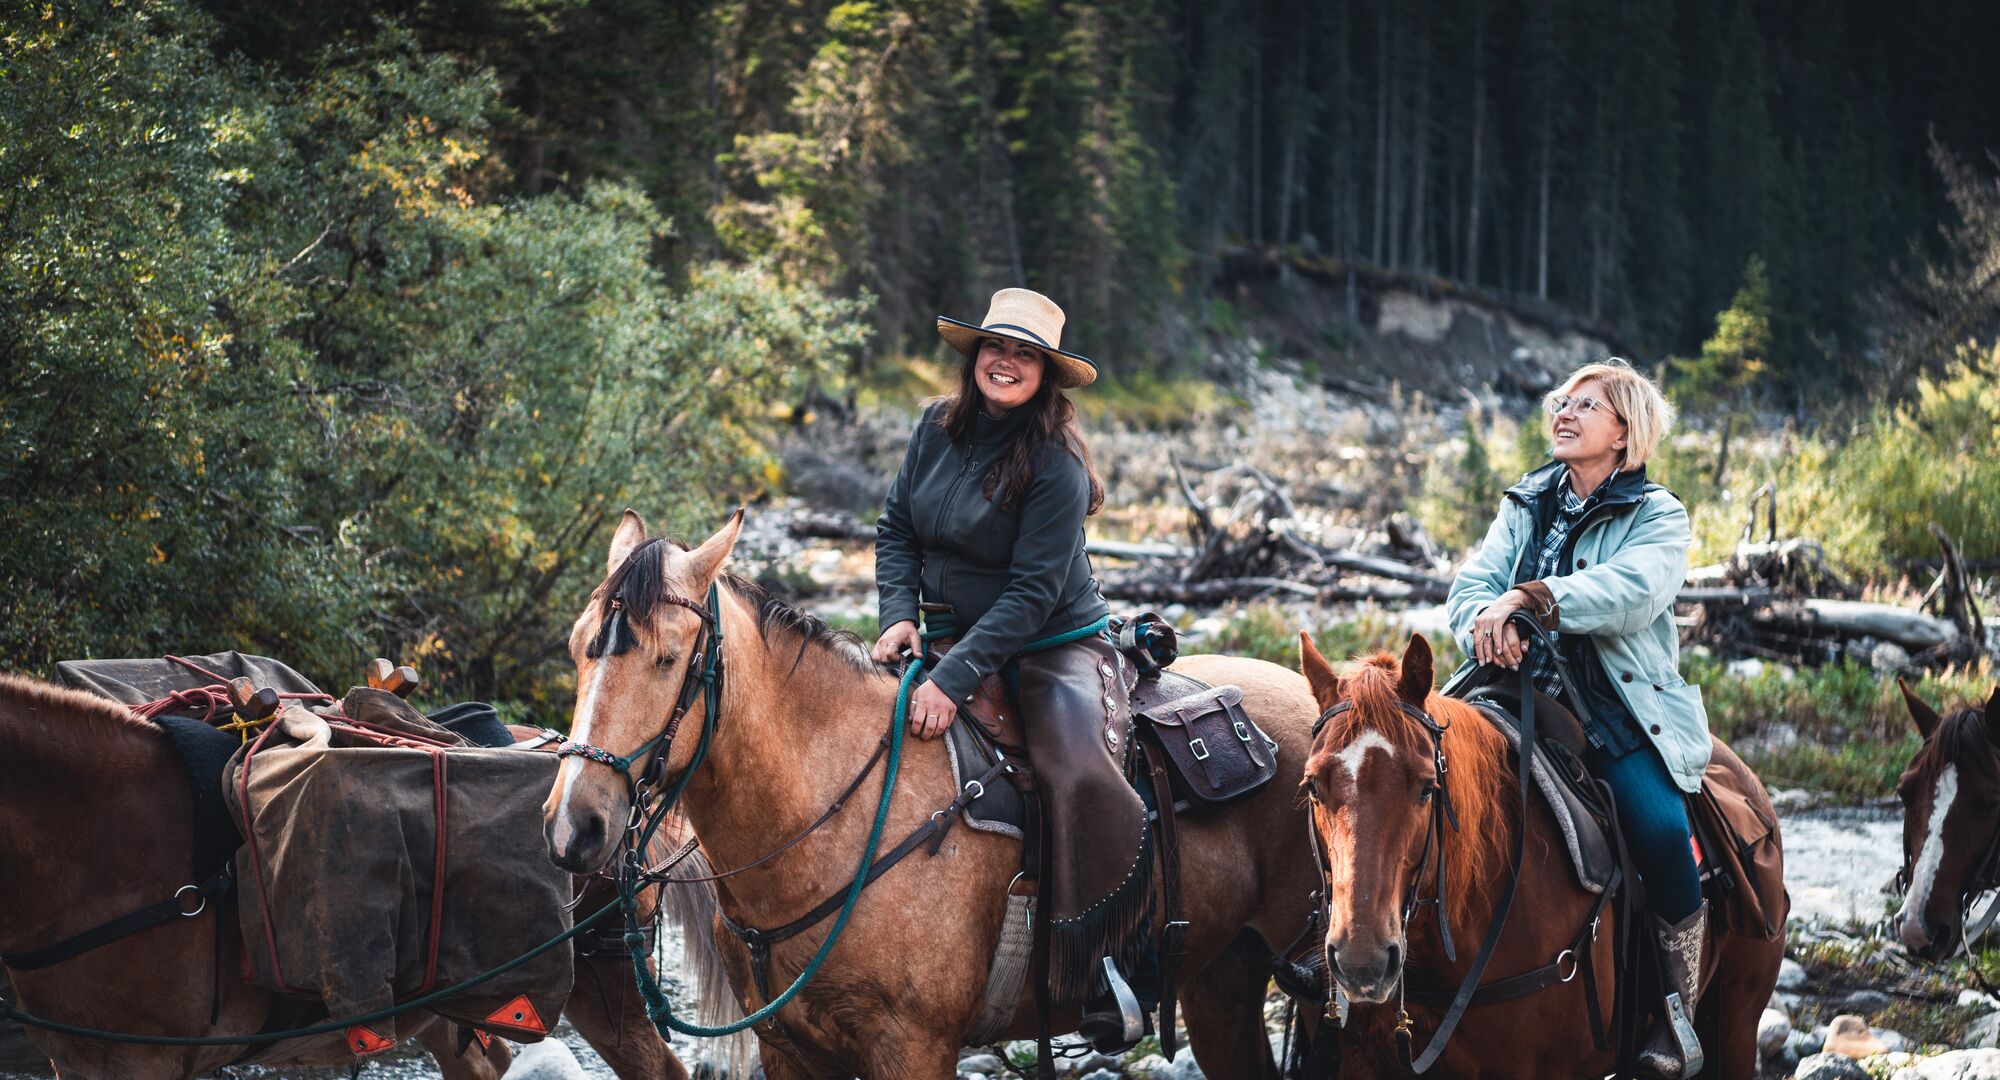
1951,839
1380,807
800,712
95,823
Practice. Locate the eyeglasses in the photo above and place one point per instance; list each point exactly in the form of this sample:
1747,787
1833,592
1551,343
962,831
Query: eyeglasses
1585,406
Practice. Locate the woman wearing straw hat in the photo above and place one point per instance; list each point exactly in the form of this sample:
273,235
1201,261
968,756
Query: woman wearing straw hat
983,528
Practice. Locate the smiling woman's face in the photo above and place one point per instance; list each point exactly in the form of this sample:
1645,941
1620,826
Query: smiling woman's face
1587,436
1007,372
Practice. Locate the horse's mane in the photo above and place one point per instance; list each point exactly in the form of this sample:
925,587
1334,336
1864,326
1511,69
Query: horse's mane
1481,781
640,584
1961,739
32,709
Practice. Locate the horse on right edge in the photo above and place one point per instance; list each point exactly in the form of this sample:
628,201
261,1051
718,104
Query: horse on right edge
1951,838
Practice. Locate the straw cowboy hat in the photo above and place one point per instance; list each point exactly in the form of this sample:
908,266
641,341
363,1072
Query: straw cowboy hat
1023,315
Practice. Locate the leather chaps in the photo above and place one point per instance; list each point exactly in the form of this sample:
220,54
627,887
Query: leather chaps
1099,893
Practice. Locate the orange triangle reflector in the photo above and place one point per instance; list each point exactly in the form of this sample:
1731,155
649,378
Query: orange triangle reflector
364,1042
485,1040
520,1014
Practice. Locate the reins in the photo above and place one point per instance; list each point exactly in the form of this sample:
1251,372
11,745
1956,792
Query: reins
1469,988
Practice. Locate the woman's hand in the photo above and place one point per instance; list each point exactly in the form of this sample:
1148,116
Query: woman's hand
931,711
1494,639
889,647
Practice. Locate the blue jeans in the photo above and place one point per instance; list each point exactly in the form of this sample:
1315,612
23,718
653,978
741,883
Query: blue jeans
1655,821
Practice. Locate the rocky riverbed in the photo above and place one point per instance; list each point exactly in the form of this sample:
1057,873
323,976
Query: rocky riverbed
1836,858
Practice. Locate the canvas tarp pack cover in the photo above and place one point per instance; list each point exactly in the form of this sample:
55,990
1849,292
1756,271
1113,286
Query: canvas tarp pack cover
385,858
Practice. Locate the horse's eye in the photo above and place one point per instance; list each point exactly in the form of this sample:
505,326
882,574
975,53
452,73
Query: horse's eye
1424,793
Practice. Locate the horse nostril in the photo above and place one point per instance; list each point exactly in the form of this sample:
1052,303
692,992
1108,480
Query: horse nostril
1395,953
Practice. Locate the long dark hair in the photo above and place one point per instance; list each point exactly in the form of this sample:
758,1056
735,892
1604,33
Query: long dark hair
1052,419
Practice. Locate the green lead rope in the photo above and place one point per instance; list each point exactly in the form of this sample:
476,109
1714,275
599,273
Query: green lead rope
658,1009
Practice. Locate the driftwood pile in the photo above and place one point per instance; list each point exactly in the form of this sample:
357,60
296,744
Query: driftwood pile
1777,599
1248,541
1774,599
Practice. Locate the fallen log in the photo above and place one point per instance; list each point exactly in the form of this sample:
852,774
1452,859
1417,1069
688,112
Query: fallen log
1386,568
1722,594
1113,549
1212,591
1854,618
824,526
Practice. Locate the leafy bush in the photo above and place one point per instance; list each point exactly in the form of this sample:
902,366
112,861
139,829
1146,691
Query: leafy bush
283,379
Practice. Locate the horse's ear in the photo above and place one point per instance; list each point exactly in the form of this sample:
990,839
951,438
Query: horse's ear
1925,716
631,533
706,561
1415,685
1318,672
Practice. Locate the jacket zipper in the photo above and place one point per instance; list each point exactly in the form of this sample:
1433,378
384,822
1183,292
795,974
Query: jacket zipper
944,507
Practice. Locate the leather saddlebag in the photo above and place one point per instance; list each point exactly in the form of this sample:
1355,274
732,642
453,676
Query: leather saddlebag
1741,843
1217,755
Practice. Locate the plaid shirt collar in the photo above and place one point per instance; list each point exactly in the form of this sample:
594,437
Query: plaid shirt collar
1571,509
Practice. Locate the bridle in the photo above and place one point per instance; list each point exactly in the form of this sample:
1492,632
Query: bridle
1983,878
701,678
1442,813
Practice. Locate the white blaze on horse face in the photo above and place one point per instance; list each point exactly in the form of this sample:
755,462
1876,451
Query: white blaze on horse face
573,765
1350,756
1341,844
1910,923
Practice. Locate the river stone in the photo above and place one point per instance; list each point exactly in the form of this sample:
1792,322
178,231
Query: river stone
979,1063
1804,1044
1150,1065
1773,1028
1893,1040
1791,975
1102,1074
1866,1001
1983,1032
545,1060
1182,1068
1829,1067
1849,1035
1956,1065
1098,1062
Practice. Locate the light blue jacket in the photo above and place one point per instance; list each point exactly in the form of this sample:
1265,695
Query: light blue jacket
1630,559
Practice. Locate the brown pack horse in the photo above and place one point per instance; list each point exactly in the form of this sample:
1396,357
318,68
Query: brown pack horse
1371,780
1951,837
94,823
802,709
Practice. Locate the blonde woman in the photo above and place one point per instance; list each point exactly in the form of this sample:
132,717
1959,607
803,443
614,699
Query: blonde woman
1597,553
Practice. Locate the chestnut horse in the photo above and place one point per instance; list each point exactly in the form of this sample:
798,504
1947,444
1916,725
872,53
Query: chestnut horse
801,709
95,818
1951,839
1370,782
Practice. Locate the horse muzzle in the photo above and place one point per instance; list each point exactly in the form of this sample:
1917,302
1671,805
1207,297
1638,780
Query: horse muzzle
1369,974
1925,939
581,823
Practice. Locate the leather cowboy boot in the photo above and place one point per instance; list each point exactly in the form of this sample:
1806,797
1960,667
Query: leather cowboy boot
1671,1050
1078,725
